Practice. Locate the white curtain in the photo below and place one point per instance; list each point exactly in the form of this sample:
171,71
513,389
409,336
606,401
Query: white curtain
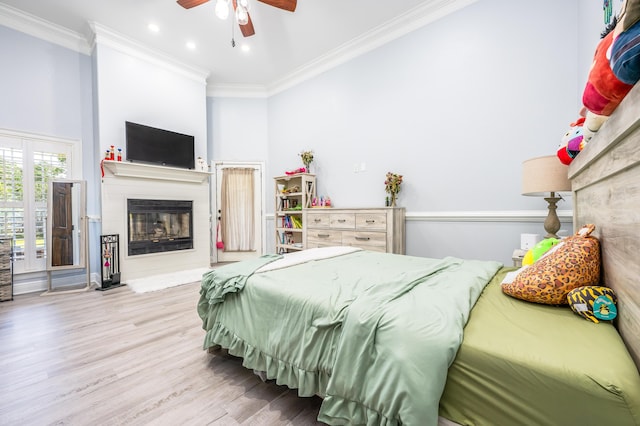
237,219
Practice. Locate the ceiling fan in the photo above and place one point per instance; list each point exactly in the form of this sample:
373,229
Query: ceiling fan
241,12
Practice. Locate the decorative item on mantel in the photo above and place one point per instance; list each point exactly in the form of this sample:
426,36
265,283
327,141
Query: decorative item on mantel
392,186
307,159
201,165
110,154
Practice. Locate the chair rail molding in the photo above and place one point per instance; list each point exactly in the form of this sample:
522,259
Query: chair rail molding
516,216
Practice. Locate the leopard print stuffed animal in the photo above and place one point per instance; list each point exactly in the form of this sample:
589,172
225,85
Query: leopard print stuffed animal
573,263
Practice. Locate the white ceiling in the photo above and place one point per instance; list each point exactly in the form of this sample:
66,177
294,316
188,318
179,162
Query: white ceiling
286,48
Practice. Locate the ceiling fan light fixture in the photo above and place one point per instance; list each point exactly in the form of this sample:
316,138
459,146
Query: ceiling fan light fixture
241,15
222,9
245,4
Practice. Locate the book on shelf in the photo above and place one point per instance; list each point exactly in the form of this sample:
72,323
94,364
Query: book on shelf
289,204
296,222
291,222
286,238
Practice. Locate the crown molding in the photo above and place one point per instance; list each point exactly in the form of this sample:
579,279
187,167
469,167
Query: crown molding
425,13
237,91
42,29
108,37
56,34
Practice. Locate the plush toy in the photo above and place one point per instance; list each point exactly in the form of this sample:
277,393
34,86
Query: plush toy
594,303
605,87
603,91
625,49
537,251
296,171
572,142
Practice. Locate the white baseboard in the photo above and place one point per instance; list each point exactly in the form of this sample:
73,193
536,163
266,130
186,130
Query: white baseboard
39,283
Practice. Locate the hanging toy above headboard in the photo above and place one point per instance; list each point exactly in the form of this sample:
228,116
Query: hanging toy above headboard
614,71
625,49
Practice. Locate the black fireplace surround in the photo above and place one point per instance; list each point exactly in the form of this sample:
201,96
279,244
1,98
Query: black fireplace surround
156,226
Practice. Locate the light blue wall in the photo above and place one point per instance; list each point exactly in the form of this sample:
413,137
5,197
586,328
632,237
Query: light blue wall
46,89
42,86
238,129
455,107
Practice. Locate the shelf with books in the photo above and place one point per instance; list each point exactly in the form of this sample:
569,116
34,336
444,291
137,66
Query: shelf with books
292,194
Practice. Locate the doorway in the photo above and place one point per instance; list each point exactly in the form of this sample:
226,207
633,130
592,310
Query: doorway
238,212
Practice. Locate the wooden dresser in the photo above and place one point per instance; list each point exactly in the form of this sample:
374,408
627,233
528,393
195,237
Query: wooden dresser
376,229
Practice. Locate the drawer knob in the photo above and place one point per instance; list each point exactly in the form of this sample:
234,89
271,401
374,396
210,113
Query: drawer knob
323,235
342,220
316,220
371,221
363,238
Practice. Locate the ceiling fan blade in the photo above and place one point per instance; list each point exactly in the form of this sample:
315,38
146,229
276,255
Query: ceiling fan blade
188,4
246,29
289,5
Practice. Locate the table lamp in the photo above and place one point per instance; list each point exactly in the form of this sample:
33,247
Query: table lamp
546,177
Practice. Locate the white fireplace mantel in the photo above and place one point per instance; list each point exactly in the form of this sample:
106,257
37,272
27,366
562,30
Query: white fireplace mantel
123,181
149,171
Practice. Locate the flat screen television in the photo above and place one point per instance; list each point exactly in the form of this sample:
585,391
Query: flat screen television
150,145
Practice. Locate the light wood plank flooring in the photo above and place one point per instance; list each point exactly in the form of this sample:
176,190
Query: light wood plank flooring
121,358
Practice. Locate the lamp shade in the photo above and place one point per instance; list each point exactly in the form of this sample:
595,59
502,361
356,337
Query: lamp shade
542,175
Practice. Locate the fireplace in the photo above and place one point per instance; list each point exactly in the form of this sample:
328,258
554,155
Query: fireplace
156,226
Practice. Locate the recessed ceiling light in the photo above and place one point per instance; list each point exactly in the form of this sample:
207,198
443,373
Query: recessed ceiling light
191,45
153,28
245,48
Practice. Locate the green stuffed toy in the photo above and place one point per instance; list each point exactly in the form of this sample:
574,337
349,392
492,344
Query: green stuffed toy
538,251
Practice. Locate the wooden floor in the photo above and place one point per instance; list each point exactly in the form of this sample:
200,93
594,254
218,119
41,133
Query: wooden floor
121,358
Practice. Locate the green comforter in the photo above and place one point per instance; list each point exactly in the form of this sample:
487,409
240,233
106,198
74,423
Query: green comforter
372,333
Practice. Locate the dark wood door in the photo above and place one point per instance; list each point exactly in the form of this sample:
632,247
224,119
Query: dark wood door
62,225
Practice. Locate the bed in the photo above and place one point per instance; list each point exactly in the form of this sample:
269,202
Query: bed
377,350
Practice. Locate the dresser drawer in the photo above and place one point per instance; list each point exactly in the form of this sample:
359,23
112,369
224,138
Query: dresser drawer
323,238
376,241
318,220
374,221
343,220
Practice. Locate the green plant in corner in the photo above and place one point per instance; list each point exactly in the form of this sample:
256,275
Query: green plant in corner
307,159
392,186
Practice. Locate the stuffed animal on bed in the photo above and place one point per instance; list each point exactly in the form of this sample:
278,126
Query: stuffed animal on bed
539,250
594,303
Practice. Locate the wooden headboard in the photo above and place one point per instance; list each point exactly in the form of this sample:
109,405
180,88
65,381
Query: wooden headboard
605,179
